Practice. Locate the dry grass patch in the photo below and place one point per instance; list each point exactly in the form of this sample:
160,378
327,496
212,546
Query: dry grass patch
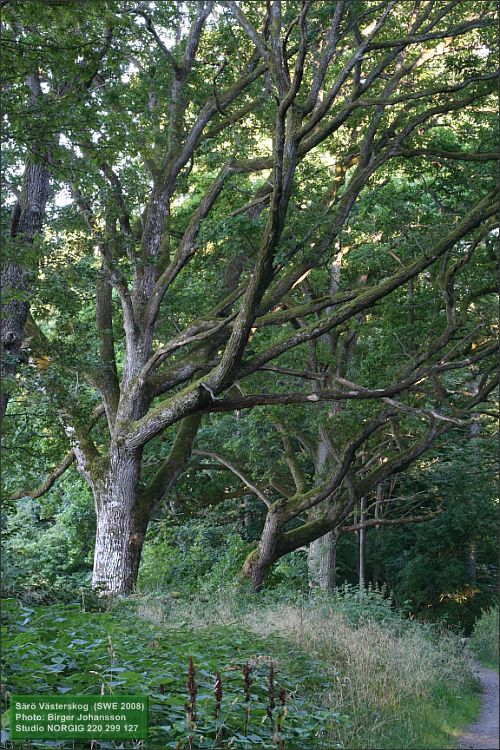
377,670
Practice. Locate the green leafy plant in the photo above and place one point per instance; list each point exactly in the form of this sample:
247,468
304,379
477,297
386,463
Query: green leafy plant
60,649
485,636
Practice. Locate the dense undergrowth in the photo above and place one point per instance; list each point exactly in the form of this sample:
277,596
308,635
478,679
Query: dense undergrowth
349,672
484,640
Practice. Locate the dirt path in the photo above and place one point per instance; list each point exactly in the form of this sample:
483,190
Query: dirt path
484,733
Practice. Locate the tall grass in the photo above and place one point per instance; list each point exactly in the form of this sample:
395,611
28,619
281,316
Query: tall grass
379,671
402,684
484,639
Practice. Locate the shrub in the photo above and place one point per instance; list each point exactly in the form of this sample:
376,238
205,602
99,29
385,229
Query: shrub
370,604
484,639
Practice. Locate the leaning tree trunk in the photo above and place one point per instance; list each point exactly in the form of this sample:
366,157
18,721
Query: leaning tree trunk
257,564
122,520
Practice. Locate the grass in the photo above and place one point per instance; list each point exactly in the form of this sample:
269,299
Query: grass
458,708
356,675
433,722
389,677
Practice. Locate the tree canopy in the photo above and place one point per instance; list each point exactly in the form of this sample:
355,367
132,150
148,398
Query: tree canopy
249,238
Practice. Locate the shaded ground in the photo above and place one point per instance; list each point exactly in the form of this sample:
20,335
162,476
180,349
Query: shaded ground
484,733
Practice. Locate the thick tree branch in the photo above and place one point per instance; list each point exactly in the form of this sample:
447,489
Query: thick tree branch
251,31
434,153
106,377
175,463
161,46
458,30
187,246
194,398
482,211
356,393
43,488
294,466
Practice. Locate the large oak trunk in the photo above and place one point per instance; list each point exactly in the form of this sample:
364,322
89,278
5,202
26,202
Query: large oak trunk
17,273
121,527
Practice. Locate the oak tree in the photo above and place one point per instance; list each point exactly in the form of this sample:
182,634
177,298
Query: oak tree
214,156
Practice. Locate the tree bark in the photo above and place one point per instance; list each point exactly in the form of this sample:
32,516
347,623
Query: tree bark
322,553
362,545
124,508
26,222
266,552
121,526
322,562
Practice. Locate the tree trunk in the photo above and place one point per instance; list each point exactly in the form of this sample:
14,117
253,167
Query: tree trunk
18,272
377,568
121,527
362,546
322,553
247,516
265,553
322,562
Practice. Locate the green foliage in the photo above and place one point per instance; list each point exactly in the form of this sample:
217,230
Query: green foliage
289,576
193,558
61,649
485,637
446,569
391,676
361,606
95,104
356,674
48,549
